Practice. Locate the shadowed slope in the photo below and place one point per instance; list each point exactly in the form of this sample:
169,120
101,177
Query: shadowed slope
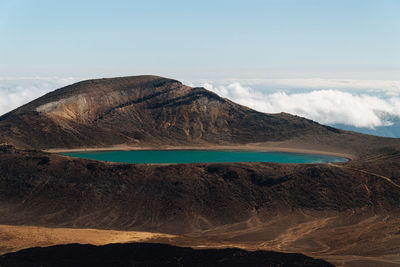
48,189
142,254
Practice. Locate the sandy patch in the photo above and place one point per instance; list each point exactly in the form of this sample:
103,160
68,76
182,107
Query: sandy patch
14,238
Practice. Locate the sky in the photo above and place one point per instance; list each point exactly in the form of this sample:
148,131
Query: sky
331,61
353,39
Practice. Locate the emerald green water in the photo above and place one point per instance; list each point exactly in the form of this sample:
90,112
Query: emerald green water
203,156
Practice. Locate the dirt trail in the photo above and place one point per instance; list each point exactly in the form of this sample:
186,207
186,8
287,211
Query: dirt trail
345,240
367,172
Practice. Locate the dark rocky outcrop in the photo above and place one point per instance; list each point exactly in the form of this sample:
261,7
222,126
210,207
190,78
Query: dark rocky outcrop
142,254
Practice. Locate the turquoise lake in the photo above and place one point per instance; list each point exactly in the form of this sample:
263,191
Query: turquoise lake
203,156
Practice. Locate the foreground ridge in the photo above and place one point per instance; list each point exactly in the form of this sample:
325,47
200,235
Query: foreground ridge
143,254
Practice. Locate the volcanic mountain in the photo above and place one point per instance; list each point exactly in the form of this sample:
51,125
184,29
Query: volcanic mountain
152,110
321,209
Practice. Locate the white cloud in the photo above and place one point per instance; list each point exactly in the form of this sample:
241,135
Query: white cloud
327,106
15,92
388,87
318,83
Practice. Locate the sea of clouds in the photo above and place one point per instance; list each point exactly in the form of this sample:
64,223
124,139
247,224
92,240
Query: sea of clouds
15,92
358,103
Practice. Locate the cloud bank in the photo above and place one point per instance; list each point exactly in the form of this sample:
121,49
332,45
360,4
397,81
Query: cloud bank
15,92
349,104
388,87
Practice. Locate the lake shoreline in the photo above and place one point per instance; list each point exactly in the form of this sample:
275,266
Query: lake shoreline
247,147
203,156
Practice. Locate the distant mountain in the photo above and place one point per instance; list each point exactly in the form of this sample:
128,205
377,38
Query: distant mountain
392,130
144,109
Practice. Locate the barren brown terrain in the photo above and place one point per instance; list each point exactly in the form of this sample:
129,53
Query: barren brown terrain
347,213
14,238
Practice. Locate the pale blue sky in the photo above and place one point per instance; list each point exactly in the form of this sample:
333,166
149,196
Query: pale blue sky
201,39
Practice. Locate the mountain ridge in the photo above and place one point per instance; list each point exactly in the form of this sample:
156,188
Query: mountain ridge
144,109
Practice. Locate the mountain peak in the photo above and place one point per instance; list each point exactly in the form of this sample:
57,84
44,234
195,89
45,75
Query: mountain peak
143,109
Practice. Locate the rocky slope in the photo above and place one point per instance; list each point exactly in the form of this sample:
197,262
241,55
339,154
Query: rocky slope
52,190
